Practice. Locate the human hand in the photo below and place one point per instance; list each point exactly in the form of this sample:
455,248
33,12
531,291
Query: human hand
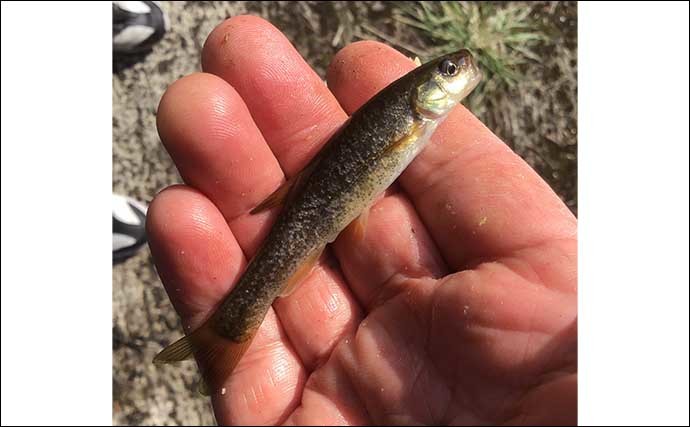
459,306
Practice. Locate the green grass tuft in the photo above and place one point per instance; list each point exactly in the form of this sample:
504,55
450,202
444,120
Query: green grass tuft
502,37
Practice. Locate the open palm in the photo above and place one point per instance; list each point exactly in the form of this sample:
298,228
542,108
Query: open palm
459,304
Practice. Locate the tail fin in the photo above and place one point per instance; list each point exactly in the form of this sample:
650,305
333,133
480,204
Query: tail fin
176,352
216,356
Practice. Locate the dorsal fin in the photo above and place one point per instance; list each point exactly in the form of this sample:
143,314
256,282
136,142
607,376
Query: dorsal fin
282,193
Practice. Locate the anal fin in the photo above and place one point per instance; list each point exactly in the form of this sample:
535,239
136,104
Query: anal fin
302,272
358,227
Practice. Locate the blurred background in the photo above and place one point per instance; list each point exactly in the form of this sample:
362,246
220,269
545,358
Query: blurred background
527,50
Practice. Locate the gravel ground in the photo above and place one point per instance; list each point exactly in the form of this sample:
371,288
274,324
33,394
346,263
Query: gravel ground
538,119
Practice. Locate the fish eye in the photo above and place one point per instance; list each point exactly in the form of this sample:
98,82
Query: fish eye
448,67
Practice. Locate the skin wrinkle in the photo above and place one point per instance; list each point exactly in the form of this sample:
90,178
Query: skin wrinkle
421,301
427,341
498,256
394,285
245,400
419,366
418,372
523,269
524,396
320,358
353,376
315,386
390,288
270,352
555,243
277,357
404,341
458,383
561,360
427,344
360,388
452,403
458,380
539,283
426,354
330,301
494,267
530,328
463,404
310,394
351,386
474,406
528,339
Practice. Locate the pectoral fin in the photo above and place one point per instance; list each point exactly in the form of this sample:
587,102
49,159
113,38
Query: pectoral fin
302,272
408,139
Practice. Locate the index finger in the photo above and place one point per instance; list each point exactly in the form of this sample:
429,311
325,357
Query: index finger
477,197
289,103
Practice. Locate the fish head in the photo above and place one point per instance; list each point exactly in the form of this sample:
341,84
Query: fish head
444,82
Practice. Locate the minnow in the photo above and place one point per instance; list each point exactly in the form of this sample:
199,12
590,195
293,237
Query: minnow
334,190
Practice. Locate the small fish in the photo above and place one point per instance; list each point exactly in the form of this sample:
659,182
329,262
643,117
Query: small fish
333,191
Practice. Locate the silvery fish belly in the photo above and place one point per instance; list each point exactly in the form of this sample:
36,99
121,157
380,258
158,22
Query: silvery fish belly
336,188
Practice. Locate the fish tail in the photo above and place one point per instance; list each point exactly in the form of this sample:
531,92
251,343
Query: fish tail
216,355
176,352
